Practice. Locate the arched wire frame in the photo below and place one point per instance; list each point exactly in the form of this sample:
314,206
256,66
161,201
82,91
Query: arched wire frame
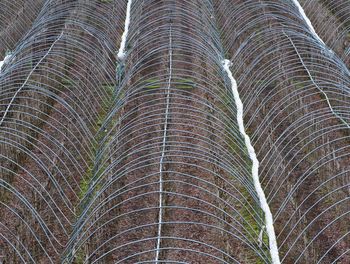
296,95
140,160
55,93
16,18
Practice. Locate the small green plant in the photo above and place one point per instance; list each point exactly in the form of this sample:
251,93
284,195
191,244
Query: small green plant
185,84
67,82
84,186
79,257
109,88
152,83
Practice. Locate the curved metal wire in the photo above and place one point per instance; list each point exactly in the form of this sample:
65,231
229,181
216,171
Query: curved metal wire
296,94
119,140
55,91
152,131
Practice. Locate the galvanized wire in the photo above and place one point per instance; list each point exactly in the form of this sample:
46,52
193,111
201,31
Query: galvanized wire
54,90
139,158
296,92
